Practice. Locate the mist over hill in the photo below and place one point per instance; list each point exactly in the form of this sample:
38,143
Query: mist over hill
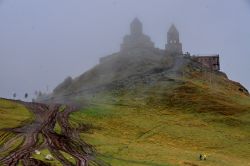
154,77
158,77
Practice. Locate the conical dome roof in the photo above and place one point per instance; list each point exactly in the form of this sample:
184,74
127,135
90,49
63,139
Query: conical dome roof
173,29
136,26
136,21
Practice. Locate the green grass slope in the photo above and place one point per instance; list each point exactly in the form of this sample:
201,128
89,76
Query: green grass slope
146,108
170,122
12,115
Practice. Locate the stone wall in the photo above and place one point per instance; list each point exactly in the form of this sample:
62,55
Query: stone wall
211,62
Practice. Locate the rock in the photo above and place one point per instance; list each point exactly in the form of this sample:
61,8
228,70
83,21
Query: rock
37,152
203,157
49,157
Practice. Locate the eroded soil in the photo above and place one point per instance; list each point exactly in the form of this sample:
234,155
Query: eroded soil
41,134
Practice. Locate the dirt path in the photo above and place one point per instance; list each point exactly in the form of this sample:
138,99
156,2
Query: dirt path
67,141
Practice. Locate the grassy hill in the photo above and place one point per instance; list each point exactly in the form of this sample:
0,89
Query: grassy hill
12,115
166,124
145,108
167,116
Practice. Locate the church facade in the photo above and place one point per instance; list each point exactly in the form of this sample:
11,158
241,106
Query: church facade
136,38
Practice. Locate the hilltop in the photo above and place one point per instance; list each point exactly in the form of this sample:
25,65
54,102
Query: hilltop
151,75
139,66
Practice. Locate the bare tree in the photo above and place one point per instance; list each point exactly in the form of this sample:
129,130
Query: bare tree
26,95
14,95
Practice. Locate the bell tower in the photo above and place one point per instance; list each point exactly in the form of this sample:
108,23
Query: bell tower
173,45
136,27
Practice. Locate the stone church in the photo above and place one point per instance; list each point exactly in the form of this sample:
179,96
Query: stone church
137,39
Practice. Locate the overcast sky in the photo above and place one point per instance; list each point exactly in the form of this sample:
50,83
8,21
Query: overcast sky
44,41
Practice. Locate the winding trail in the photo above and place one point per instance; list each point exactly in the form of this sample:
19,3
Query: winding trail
67,141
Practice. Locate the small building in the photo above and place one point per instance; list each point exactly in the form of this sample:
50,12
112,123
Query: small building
211,62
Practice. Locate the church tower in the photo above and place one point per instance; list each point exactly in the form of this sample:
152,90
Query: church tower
136,27
173,45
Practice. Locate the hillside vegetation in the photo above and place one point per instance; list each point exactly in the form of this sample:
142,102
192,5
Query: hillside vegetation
170,124
145,108
12,115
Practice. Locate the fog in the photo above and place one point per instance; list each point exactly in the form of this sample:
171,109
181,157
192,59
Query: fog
44,41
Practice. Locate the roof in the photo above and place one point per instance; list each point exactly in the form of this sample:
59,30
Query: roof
136,21
173,29
206,55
